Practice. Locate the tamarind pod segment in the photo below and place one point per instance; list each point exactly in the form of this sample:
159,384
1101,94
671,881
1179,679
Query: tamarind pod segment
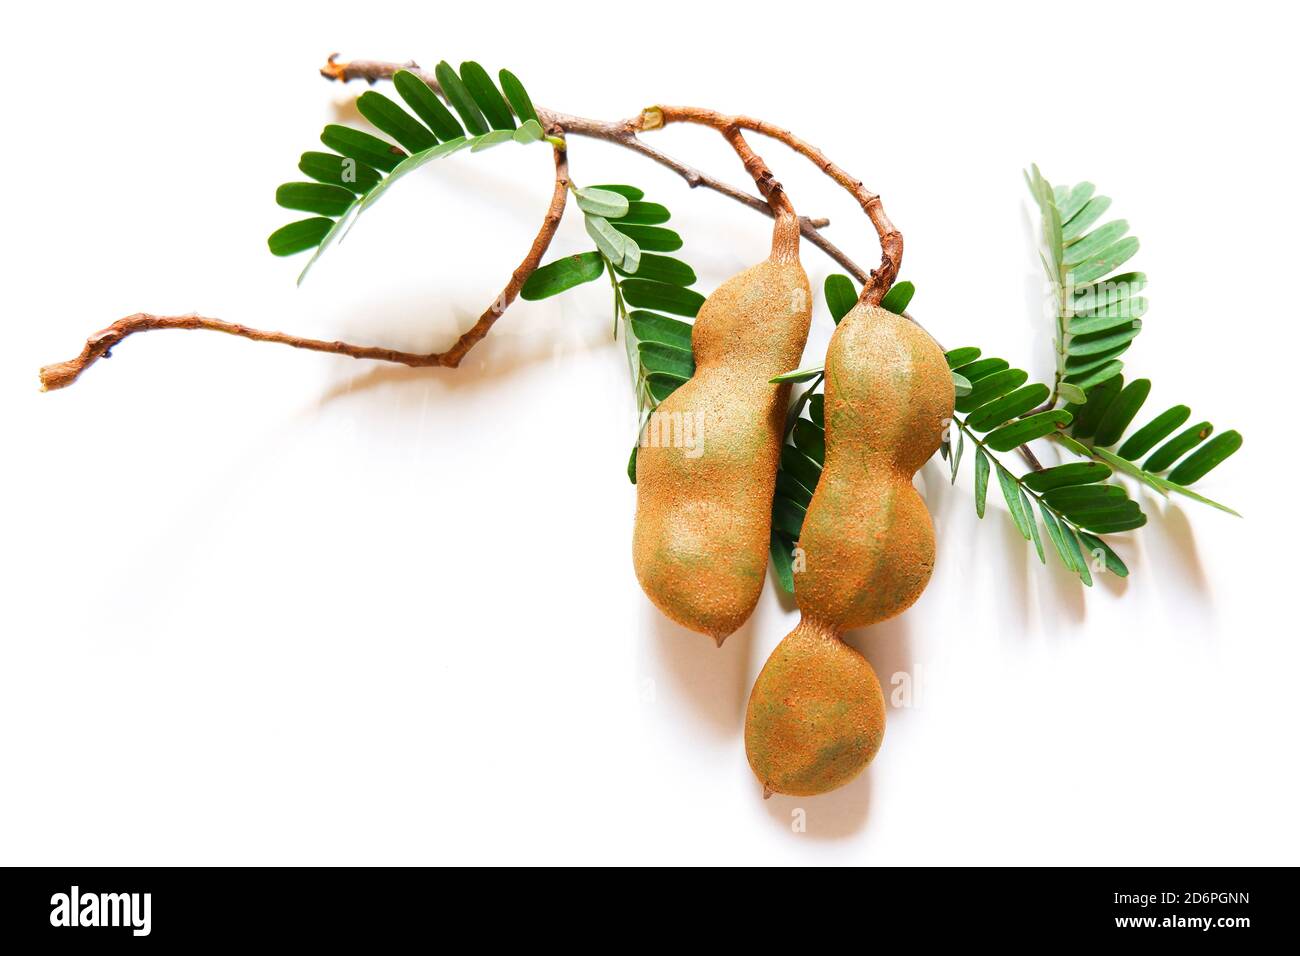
707,462
867,537
816,714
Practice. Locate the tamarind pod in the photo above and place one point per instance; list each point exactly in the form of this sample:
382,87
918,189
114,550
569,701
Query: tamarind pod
867,536
707,461
816,713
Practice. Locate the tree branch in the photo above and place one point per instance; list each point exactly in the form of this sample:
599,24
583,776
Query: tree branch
100,345
891,240
619,132
623,133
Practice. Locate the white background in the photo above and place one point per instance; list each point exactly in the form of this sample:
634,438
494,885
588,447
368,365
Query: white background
269,606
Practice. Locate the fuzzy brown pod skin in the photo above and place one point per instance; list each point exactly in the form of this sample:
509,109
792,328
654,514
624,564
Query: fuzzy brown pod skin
816,714
703,515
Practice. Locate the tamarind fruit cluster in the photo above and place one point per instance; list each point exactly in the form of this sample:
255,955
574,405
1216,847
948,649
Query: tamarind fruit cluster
816,714
703,513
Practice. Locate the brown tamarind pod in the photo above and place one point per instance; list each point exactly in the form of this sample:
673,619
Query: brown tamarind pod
704,505
817,715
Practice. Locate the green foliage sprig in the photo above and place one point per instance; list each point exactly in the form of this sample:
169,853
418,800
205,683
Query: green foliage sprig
1075,501
651,290
1098,316
363,166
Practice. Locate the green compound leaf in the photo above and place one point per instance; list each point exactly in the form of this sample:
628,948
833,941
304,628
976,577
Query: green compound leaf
1058,537
981,480
645,213
459,96
1176,447
609,240
662,297
782,551
982,368
363,147
1073,200
390,118
1071,393
1028,510
651,327
650,238
841,295
787,517
810,440
1062,476
1121,412
627,192
339,170
486,95
1087,378
519,99
1154,431
799,375
1199,463
1010,406
493,137
1084,218
1093,544
800,467
1076,555
315,197
1105,260
600,202
562,275
1011,494
957,357
661,384
658,357
792,489
419,96
896,299
817,410
298,236
665,269
1095,242
530,131
989,387
1027,429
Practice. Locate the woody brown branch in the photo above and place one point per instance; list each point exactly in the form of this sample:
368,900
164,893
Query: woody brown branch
619,132
891,240
100,345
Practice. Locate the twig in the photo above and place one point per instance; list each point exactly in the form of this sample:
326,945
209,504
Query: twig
785,235
620,132
101,343
1030,458
891,240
